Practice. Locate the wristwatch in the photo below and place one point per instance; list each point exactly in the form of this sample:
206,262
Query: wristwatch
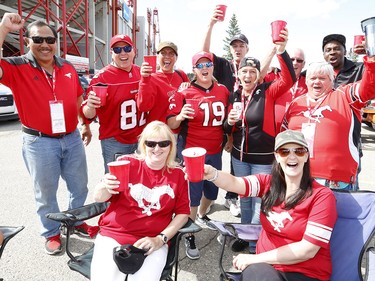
164,238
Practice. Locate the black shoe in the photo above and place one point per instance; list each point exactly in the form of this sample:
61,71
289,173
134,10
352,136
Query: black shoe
239,245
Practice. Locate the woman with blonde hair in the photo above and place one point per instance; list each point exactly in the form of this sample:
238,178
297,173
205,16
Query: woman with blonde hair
150,211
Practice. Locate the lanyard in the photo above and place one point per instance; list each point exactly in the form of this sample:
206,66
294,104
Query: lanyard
53,85
243,126
311,112
294,88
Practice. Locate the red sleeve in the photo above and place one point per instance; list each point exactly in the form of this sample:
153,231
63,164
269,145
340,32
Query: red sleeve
367,86
146,94
176,103
322,217
287,77
256,185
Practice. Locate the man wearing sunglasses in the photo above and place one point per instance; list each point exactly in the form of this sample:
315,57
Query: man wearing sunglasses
48,93
298,89
120,120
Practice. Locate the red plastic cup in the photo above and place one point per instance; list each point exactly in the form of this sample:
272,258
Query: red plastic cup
194,105
151,62
120,169
277,26
359,39
194,158
101,92
222,8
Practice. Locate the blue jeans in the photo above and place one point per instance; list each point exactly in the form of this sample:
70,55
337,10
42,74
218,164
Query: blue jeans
111,146
250,206
46,160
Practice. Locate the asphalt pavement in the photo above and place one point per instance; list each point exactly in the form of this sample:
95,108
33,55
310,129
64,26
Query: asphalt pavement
24,257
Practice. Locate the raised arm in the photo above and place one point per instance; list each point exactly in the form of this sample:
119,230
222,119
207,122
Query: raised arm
207,39
9,23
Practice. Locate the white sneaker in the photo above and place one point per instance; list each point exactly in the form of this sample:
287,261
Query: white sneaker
234,206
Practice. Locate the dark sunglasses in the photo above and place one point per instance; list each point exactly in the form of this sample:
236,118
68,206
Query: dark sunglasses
127,49
206,64
162,144
284,152
39,39
298,60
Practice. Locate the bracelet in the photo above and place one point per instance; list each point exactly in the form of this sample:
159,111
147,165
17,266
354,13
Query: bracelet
214,178
83,124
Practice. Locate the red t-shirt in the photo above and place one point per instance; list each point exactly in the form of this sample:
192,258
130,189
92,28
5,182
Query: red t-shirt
147,206
120,117
312,219
33,92
206,129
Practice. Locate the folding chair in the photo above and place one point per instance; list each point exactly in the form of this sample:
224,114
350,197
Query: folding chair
352,235
82,263
352,240
9,232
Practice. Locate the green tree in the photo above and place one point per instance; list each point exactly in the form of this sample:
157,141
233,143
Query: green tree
352,56
232,30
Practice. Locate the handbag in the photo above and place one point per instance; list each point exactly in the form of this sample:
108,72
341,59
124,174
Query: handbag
129,259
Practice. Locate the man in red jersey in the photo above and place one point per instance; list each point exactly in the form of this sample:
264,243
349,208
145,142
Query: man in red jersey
120,120
48,93
155,89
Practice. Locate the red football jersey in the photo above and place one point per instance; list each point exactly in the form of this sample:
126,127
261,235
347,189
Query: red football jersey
206,128
120,117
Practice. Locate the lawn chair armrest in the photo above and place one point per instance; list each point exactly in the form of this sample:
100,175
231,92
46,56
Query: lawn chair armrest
245,232
79,214
9,232
190,227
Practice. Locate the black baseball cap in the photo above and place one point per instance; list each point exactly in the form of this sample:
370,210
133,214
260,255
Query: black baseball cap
334,37
249,61
239,37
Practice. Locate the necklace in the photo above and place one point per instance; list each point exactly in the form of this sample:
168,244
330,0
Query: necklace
169,78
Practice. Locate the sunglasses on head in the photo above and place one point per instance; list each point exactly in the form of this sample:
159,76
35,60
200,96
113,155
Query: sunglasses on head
127,49
162,144
299,151
39,39
205,64
298,60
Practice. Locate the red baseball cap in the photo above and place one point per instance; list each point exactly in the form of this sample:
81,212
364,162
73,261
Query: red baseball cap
200,55
121,38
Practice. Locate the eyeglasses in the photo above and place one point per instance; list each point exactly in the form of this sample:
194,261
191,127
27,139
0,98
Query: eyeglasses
298,60
161,144
299,151
127,49
39,39
206,64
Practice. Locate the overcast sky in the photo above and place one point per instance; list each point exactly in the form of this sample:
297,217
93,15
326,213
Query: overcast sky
185,23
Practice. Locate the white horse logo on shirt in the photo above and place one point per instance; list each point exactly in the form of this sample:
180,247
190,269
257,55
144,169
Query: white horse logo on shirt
276,219
317,114
142,194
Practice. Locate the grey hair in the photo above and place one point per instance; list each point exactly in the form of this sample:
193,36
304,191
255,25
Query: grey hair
322,68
